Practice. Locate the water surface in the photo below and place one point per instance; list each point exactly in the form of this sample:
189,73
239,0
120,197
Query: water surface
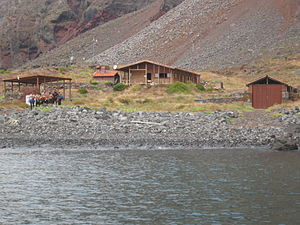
149,187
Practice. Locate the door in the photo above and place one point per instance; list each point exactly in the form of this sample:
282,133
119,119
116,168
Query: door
149,77
266,95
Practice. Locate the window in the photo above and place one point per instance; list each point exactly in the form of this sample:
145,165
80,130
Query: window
163,75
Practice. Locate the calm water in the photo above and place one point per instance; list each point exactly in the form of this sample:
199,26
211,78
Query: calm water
149,187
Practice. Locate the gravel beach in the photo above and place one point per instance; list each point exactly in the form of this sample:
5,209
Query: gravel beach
102,129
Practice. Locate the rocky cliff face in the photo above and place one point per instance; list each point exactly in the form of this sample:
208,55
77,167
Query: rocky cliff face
30,28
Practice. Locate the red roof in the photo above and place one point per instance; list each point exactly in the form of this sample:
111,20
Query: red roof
106,73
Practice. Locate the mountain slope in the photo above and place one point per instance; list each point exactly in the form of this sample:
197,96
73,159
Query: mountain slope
30,28
212,35
104,36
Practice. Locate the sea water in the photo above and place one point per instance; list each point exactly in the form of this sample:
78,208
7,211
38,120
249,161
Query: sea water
149,187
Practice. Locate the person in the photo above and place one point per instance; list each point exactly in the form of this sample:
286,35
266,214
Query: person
55,94
59,99
37,100
31,101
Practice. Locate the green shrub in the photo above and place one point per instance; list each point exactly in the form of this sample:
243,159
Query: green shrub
108,83
62,69
83,91
99,88
120,87
4,71
178,87
94,82
200,87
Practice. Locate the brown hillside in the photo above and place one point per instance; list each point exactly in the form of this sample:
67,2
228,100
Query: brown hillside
211,35
30,28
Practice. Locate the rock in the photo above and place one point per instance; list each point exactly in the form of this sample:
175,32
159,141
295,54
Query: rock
285,144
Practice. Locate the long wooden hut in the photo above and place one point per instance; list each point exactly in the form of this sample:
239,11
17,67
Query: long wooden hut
148,72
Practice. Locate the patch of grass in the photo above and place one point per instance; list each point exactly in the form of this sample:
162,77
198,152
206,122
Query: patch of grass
198,109
13,104
277,114
125,101
99,88
62,69
4,72
120,87
180,107
180,98
82,91
144,101
228,120
94,82
200,87
137,87
178,87
208,112
130,110
109,83
45,108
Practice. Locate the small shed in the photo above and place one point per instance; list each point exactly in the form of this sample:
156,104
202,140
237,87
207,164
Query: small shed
107,75
267,91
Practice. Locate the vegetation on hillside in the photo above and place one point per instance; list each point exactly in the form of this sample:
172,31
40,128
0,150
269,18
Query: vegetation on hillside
175,97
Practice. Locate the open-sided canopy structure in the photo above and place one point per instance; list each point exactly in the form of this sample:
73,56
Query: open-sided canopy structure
36,81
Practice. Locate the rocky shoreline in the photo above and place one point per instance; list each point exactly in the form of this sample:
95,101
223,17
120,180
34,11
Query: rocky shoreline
101,129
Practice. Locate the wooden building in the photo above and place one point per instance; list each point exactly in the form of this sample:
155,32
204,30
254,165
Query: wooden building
107,75
267,91
148,72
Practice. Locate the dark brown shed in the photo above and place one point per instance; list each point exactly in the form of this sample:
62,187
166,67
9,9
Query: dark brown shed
267,91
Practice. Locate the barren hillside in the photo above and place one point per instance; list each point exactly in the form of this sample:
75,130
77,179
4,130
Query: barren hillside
210,35
30,28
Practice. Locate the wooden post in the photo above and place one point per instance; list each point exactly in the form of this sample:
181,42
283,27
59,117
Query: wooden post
64,90
158,75
4,86
129,76
70,86
44,84
12,87
37,85
146,76
19,84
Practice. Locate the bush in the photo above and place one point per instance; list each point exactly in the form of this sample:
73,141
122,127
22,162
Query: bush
178,87
109,83
98,88
62,69
94,82
200,87
120,87
4,71
83,91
